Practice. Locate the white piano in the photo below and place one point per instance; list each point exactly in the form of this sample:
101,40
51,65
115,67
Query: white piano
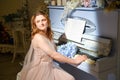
98,41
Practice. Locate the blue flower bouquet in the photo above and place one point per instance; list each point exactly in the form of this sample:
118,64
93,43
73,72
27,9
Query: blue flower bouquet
69,49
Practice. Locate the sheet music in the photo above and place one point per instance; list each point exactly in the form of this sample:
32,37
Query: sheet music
74,29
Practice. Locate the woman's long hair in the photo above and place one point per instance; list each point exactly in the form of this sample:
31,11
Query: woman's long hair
48,33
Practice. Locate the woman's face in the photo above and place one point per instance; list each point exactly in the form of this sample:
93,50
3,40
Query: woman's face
41,22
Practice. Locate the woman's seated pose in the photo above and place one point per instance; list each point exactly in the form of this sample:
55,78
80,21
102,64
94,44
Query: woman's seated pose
38,64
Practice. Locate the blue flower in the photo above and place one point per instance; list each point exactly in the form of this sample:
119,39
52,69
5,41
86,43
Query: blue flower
68,50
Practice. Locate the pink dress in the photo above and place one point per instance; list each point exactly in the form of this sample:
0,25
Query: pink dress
39,65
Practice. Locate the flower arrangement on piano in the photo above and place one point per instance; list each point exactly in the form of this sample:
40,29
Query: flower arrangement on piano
69,49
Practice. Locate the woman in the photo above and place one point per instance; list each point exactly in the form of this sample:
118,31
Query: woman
39,60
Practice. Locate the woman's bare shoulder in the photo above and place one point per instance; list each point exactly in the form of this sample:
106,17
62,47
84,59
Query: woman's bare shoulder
39,37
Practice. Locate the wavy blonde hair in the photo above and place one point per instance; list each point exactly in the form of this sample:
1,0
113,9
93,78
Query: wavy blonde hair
35,30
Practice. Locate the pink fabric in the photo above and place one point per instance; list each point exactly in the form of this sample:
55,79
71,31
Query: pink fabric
39,65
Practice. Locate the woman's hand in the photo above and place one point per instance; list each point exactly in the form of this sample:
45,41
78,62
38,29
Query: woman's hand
80,58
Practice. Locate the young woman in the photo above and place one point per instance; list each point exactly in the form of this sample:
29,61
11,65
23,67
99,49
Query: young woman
39,59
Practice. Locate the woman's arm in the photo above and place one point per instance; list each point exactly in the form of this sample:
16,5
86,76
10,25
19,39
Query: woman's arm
43,43
77,60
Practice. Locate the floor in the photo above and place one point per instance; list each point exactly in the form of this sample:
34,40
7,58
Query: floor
8,70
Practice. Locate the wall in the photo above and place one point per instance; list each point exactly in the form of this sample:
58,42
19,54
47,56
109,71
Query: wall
37,4
9,6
